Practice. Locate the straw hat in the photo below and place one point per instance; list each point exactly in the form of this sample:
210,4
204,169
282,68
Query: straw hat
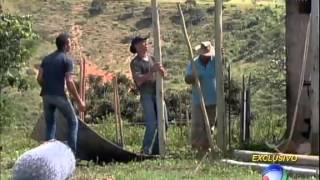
205,48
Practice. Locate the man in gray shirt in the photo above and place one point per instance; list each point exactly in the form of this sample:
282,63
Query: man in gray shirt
143,68
56,71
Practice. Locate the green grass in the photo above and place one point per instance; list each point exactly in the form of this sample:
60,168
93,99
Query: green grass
173,169
180,162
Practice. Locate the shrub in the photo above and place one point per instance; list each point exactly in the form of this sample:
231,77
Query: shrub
147,11
175,19
194,16
125,16
16,36
144,23
97,7
101,99
178,102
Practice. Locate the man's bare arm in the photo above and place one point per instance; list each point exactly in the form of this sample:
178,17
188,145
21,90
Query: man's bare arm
40,77
189,79
73,91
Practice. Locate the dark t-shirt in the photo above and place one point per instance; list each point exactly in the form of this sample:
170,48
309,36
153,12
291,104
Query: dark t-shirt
55,66
138,67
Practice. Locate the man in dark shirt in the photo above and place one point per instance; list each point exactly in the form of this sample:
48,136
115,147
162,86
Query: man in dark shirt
143,68
56,71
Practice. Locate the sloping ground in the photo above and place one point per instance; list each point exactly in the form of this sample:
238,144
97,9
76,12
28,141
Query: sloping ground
94,70
90,68
105,37
104,42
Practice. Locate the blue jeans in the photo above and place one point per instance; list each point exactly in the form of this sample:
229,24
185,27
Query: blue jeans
52,103
151,140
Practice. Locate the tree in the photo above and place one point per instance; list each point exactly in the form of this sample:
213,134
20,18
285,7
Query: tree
14,53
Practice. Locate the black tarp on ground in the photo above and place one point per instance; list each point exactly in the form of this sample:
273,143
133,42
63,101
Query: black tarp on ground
90,145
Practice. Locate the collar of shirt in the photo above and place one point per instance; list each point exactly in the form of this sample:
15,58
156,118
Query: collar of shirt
205,61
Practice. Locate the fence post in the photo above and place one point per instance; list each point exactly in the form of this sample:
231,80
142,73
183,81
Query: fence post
159,79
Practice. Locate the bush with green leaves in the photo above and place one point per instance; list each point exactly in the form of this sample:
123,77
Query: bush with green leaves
100,99
97,7
15,32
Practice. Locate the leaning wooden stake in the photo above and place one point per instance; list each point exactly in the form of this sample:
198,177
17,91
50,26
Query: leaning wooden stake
229,108
197,82
84,86
159,81
220,82
120,122
115,104
80,84
81,88
119,131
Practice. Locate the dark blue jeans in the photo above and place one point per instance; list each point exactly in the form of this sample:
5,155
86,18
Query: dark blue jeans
52,103
151,140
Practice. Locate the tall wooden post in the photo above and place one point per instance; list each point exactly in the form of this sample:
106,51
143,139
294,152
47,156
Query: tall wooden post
242,112
159,81
197,82
229,108
84,86
81,88
314,55
219,72
119,123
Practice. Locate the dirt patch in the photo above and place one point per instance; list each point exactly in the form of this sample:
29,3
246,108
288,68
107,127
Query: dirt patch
77,51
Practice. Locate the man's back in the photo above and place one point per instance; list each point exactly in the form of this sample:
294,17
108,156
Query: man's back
54,68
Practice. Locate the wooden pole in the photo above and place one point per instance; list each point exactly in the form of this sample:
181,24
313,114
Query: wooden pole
242,112
247,112
197,82
115,103
120,122
187,118
314,54
159,81
220,82
84,85
284,144
81,85
229,106
115,109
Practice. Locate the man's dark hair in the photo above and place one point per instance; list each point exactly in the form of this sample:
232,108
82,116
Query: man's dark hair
62,40
135,41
